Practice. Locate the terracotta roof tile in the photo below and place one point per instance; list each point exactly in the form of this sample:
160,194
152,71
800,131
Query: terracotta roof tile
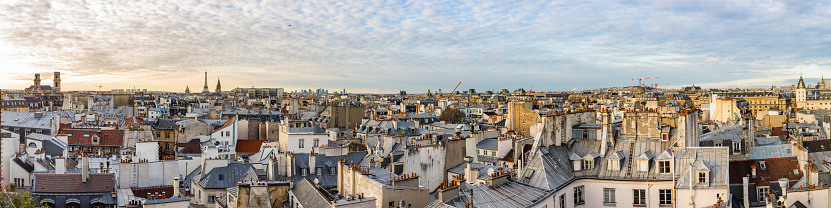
775,168
106,137
71,183
249,146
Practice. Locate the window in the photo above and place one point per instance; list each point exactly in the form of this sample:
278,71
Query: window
578,195
665,197
663,167
319,171
167,135
562,200
702,177
763,193
640,197
608,196
333,171
588,164
301,143
493,153
316,143
158,135
221,177
577,134
737,147
718,144
762,165
304,172
211,199
479,152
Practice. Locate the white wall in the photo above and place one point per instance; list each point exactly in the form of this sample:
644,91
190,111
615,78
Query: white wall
147,150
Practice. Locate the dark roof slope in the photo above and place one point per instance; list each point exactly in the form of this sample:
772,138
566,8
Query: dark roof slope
193,147
106,137
144,191
310,195
71,183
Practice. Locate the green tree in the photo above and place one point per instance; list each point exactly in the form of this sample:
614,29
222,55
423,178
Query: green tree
19,200
452,115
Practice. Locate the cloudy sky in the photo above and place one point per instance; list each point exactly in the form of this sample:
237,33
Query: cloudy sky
386,46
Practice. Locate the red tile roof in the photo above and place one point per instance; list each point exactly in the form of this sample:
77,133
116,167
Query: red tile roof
106,137
249,146
134,120
778,131
71,183
144,191
775,168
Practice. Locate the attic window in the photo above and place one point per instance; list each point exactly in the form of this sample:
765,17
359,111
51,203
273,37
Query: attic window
86,135
221,177
762,165
702,177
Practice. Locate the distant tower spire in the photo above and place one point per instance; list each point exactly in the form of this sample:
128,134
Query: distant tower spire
801,83
187,89
37,79
218,87
206,90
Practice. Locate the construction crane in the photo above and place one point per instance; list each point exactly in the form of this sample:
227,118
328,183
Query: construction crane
99,87
640,80
657,84
454,90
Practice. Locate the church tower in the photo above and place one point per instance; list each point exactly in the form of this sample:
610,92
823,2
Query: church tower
37,79
801,93
57,81
187,89
218,87
206,90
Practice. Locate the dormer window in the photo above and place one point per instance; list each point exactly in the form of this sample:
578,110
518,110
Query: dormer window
664,167
702,177
588,164
762,165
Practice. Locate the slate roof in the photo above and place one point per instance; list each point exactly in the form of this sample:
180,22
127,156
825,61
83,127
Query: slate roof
715,159
165,124
508,194
770,151
193,147
310,195
547,170
483,169
71,183
326,163
488,144
27,120
212,180
725,133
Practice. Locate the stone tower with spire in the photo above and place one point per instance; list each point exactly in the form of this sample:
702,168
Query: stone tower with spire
218,87
206,90
801,93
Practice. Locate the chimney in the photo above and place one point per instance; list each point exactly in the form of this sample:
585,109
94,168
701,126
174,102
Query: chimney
84,169
753,171
783,183
746,187
60,165
312,164
272,168
175,186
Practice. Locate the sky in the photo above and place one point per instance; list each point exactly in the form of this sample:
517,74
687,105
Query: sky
386,46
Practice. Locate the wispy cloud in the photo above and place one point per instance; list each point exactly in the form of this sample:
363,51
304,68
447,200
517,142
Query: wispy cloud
412,45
